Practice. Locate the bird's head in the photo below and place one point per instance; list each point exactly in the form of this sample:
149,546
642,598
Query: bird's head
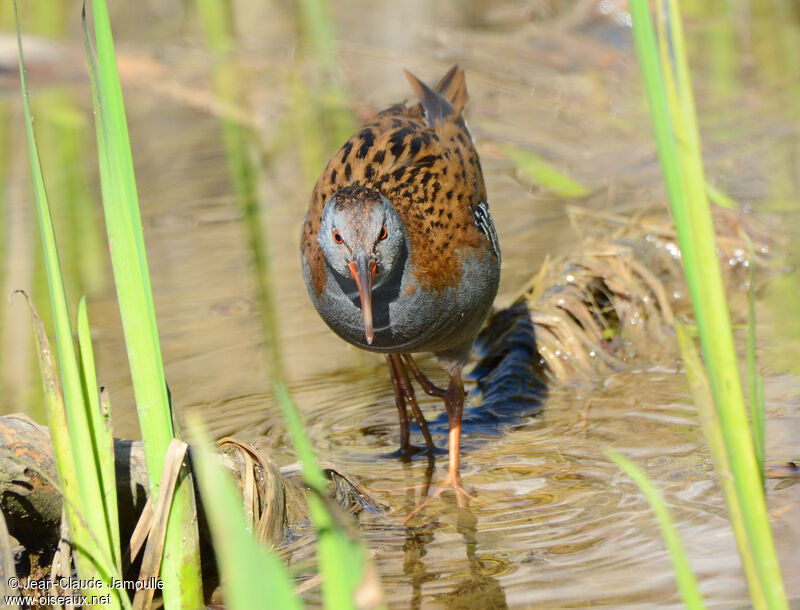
361,237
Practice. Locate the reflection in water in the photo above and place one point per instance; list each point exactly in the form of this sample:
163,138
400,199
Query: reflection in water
510,374
414,566
416,538
476,589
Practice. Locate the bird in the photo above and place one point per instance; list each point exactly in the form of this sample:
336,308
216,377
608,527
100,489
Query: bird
399,251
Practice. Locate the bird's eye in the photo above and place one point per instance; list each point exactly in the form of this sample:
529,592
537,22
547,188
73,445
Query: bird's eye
337,237
383,234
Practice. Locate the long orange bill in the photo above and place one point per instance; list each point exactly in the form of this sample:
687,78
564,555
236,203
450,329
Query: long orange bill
363,270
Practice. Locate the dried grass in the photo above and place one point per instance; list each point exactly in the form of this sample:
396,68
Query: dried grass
613,302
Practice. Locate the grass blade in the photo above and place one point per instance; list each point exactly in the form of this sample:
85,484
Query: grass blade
754,380
180,567
679,152
721,199
59,430
687,583
341,557
124,226
544,173
92,559
704,400
101,432
158,520
67,409
248,569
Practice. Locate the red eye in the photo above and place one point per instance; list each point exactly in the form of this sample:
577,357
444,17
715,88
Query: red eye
383,234
337,237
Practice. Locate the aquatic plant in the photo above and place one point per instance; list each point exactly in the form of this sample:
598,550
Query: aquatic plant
687,583
72,404
667,84
180,566
77,418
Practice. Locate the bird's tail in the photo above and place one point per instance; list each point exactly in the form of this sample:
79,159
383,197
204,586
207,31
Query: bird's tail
453,87
450,95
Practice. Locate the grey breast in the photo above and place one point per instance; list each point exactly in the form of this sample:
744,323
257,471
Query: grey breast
407,317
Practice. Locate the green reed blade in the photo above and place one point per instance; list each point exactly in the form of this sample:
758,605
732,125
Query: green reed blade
305,123
249,570
92,557
687,583
679,152
721,199
544,174
341,557
81,469
717,337
655,89
59,434
181,563
754,379
120,201
759,425
101,433
245,172
709,421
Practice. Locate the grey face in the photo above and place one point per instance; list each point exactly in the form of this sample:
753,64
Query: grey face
361,237
357,220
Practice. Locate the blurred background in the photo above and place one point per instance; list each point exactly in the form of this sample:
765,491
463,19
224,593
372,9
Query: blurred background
234,108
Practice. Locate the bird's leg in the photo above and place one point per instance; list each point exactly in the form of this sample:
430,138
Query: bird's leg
399,398
453,398
454,404
427,386
411,399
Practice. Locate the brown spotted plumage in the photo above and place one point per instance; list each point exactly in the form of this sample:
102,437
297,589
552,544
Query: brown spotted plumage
431,174
399,251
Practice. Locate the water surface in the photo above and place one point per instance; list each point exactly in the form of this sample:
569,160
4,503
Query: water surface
555,524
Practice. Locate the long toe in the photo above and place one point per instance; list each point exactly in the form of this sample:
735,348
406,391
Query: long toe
453,481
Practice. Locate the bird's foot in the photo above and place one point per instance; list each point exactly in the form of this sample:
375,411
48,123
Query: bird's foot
453,481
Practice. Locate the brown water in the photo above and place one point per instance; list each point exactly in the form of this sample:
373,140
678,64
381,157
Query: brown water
555,524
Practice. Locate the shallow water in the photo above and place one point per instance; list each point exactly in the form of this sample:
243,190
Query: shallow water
554,523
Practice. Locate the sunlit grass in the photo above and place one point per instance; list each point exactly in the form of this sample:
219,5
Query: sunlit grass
342,558
669,93
544,174
687,583
181,561
248,570
709,422
755,380
70,404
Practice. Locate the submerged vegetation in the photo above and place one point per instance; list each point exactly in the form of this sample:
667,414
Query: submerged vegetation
587,308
